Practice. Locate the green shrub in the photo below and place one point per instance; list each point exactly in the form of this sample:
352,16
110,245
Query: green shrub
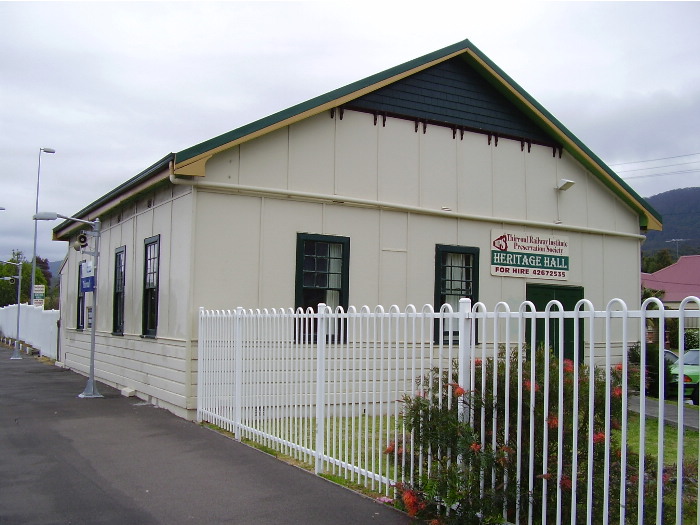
464,470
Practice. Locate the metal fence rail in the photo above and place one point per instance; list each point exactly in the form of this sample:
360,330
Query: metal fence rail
328,388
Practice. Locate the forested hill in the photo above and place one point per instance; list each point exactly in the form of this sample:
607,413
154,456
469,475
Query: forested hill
680,213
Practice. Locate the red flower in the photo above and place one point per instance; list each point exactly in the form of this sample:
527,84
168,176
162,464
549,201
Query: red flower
477,362
456,389
618,367
553,421
617,391
565,483
476,447
568,365
599,437
412,502
528,385
390,448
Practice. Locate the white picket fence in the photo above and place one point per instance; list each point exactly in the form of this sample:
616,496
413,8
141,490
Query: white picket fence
38,328
328,389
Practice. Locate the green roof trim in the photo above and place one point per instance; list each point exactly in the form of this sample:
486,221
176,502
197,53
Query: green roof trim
313,103
119,190
640,200
493,74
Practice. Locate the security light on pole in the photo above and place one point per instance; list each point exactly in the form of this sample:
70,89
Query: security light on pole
91,386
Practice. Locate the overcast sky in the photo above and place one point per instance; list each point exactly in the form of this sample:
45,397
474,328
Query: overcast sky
114,87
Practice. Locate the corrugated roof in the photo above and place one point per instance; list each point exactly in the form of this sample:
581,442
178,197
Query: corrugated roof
678,281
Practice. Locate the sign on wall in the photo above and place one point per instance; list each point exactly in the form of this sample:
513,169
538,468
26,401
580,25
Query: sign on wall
529,255
87,277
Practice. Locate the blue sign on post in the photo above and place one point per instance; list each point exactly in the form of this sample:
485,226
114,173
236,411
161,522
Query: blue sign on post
87,284
87,277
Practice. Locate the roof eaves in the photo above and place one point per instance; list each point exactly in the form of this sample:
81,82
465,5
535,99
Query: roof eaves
204,150
652,218
191,161
89,212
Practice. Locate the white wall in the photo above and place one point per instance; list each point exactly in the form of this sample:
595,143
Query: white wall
392,248
37,327
159,369
231,239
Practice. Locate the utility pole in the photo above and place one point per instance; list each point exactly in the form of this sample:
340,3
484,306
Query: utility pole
677,241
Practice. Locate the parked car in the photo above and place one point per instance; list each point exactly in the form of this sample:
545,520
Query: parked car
652,373
670,357
691,375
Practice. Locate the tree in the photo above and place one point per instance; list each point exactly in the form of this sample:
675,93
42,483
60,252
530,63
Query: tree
8,291
43,265
657,261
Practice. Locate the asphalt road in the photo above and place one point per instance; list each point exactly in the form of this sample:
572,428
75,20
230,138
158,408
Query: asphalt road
65,460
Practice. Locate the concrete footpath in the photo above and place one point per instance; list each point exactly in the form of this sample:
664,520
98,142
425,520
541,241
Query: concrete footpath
691,414
117,460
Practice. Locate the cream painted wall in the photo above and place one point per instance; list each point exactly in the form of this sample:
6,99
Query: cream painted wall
158,370
392,250
394,192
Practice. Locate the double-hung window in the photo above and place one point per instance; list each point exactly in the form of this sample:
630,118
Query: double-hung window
322,274
119,286
150,285
456,276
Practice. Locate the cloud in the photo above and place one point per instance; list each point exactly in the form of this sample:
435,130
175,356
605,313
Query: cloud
115,86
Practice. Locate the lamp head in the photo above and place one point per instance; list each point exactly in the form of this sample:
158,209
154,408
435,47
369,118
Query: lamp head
48,150
46,216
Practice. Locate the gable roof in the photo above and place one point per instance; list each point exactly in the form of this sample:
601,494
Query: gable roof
192,161
678,281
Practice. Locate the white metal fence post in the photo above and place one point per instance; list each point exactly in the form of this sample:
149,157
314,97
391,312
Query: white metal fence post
201,371
237,373
320,386
465,352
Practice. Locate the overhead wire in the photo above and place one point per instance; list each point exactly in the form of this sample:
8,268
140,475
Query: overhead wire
623,171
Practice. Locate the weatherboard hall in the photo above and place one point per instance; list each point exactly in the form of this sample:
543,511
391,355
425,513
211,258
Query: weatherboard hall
436,179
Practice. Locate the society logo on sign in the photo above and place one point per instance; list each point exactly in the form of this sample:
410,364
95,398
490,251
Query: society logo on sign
501,243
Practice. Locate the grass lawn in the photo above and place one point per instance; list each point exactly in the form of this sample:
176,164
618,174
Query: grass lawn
690,440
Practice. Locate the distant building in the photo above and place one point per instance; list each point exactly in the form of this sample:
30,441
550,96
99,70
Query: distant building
434,180
676,282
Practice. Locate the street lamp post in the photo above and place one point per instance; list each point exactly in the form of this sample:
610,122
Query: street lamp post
36,210
15,354
91,386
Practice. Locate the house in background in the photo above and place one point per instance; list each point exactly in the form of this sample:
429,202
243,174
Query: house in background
675,282
434,180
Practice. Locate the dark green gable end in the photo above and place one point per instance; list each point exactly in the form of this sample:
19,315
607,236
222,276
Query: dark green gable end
452,94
